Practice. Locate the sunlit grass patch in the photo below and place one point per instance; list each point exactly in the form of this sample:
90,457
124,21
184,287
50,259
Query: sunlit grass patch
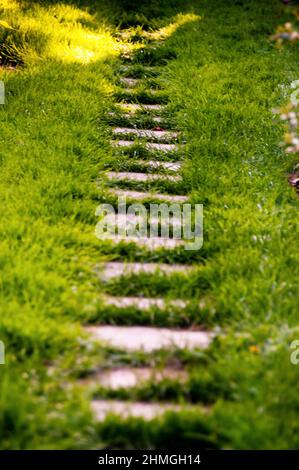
61,32
167,31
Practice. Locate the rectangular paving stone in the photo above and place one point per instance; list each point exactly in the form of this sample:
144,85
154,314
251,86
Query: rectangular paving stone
131,221
149,339
129,82
147,411
146,133
150,243
148,145
131,377
156,164
156,119
134,107
141,177
144,303
116,269
139,196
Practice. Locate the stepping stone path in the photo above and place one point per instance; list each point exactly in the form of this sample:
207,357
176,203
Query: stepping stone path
133,338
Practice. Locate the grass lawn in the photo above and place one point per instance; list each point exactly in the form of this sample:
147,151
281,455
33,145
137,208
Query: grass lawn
221,76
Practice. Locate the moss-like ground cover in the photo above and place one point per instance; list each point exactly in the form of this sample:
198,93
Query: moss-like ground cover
222,76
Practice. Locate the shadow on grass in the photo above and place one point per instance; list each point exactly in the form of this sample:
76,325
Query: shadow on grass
124,13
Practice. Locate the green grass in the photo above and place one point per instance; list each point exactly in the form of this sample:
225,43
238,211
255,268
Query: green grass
221,76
